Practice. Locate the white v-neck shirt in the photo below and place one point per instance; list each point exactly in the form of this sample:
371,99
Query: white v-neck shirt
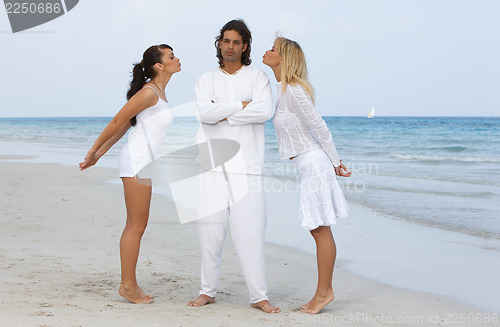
219,96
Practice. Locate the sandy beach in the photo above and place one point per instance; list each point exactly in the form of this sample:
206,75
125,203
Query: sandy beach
59,266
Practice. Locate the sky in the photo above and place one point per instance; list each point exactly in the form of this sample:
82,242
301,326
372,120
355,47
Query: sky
404,57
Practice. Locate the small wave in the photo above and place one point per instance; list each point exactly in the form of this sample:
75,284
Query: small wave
458,179
423,157
432,192
459,228
450,148
374,153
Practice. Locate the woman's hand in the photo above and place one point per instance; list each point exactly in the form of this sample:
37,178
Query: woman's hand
89,161
119,125
342,170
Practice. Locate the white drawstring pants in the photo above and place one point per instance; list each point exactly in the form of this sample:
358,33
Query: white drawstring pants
246,218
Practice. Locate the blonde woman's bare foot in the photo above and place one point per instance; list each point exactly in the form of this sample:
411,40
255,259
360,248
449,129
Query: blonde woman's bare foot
142,292
304,306
134,295
201,300
265,306
318,302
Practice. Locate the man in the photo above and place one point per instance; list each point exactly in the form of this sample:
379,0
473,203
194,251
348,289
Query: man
233,102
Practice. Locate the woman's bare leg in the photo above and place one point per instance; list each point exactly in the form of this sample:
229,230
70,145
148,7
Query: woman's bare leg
137,201
326,252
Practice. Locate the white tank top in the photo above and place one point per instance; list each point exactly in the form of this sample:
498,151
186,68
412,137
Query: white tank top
145,139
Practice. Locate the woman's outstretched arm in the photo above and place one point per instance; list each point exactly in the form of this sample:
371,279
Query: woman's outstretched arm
141,100
112,141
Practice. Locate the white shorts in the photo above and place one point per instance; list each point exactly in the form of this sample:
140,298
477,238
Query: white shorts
128,167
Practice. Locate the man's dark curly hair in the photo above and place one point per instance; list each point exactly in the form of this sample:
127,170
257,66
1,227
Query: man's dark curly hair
239,26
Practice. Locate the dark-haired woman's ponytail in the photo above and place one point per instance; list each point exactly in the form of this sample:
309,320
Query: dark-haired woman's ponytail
144,70
138,80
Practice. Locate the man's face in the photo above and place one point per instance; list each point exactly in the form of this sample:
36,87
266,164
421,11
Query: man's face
231,46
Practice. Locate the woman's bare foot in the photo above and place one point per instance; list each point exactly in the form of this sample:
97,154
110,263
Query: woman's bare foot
318,302
265,306
201,301
135,295
303,306
142,292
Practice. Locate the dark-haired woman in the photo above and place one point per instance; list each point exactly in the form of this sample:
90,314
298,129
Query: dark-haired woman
304,138
149,112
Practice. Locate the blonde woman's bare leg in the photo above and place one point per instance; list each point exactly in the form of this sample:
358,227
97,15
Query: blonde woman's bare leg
137,200
326,252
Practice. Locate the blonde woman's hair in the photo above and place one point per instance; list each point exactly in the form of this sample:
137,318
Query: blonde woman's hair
293,65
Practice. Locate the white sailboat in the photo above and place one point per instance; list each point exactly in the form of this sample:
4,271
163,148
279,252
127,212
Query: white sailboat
371,114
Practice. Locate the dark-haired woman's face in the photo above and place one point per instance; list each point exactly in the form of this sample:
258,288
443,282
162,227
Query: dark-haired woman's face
171,64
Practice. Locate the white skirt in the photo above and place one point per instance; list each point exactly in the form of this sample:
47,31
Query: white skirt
321,198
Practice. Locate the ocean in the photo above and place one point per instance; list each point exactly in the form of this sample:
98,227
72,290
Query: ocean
442,172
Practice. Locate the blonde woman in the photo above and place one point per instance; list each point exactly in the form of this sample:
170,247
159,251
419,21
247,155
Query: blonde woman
304,138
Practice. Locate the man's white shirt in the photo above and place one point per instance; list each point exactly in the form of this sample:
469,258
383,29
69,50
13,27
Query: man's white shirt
218,96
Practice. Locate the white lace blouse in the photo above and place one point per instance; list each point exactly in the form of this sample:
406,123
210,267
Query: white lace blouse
299,127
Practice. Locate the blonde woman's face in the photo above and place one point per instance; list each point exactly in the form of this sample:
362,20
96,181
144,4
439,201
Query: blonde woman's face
272,58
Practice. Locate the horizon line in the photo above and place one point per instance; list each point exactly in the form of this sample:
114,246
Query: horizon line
380,116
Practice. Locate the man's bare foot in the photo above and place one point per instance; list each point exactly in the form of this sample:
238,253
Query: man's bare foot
201,301
318,302
135,295
265,306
